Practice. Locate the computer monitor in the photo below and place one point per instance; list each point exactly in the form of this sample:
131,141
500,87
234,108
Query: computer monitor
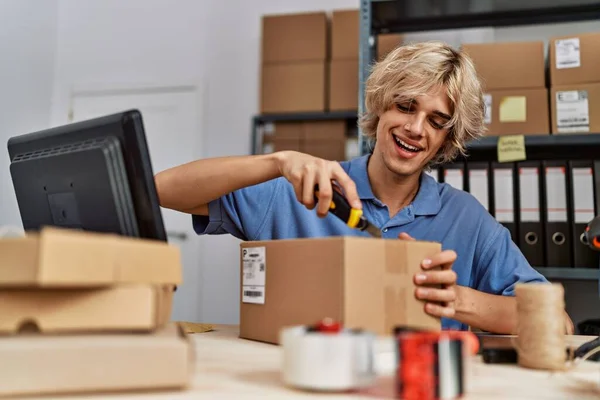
94,175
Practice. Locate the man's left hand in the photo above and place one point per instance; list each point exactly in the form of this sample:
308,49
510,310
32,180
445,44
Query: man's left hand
439,301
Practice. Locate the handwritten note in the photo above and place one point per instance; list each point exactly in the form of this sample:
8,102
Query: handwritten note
511,148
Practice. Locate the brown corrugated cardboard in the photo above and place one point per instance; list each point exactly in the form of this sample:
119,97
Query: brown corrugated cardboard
387,42
282,144
324,130
577,107
517,112
294,37
509,65
334,150
119,308
70,258
575,59
343,85
288,130
61,364
293,87
344,35
363,282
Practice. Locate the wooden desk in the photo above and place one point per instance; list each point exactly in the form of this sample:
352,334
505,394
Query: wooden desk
231,368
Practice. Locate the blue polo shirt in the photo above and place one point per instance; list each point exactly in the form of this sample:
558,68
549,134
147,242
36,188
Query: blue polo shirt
487,258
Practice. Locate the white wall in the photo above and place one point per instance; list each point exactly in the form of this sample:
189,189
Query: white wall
27,43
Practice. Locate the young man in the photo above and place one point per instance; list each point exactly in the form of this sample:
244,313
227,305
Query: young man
423,103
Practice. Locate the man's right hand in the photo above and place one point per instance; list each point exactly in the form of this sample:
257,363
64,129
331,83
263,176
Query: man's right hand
304,171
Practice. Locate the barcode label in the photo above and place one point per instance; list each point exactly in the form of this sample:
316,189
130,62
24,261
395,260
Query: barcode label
567,53
254,274
487,100
572,111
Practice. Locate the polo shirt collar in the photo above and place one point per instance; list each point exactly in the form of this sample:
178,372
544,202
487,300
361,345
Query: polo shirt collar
427,201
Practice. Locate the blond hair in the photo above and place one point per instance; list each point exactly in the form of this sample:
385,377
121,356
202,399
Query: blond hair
416,69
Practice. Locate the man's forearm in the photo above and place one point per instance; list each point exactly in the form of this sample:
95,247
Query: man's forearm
493,313
193,185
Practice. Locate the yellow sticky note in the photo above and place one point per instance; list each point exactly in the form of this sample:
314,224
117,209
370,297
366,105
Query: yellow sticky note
511,148
513,109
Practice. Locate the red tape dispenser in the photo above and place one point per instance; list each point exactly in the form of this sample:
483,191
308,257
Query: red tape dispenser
431,365
327,357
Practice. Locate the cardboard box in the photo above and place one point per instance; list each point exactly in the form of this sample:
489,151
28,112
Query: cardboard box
576,108
62,364
345,34
293,87
386,42
509,65
294,37
120,308
324,130
575,59
57,257
333,150
517,112
363,282
343,85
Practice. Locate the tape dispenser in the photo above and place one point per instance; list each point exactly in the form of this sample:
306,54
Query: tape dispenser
327,357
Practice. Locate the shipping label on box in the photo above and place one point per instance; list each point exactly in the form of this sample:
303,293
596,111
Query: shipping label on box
576,108
567,53
572,111
254,275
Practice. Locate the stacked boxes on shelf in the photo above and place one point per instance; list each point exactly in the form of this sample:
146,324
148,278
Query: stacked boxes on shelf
575,83
343,66
310,64
89,312
514,84
294,58
324,139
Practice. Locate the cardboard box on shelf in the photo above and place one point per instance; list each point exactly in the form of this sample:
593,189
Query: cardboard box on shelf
57,257
345,34
325,139
333,150
386,42
61,364
294,37
574,59
362,282
517,112
576,108
293,87
343,85
141,308
509,65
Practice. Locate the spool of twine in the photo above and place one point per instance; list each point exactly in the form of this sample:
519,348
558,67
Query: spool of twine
541,328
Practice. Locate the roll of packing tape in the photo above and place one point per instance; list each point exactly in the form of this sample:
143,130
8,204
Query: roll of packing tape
327,360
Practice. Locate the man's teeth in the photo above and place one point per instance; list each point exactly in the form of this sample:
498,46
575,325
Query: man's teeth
407,146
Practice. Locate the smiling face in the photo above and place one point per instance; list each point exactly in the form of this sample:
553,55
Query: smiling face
412,131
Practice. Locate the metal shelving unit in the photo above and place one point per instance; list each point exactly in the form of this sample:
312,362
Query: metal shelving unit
404,16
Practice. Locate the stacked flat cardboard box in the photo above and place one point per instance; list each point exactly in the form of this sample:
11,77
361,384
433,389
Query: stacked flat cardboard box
575,83
294,56
86,312
513,77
